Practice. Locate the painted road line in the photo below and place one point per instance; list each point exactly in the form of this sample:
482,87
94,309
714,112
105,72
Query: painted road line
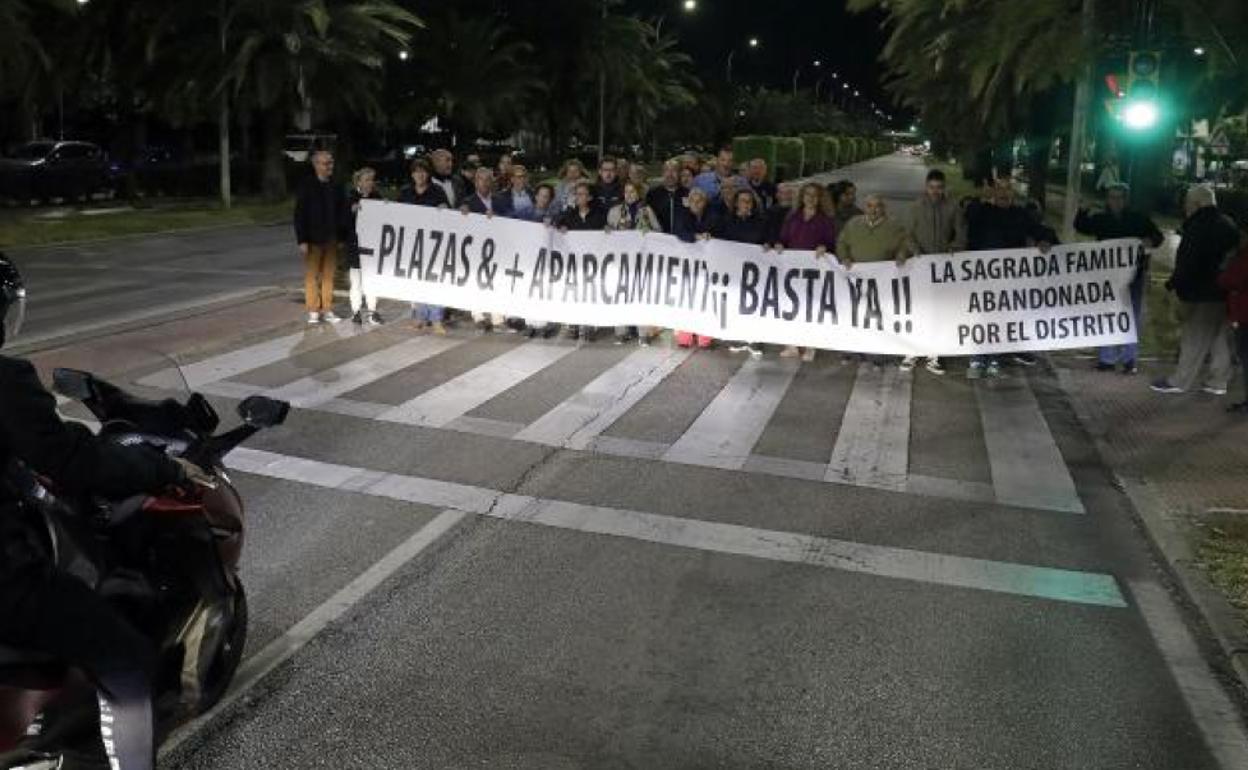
236,362
280,650
1027,467
454,399
729,427
314,390
882,561
873,444
1214,713
576,422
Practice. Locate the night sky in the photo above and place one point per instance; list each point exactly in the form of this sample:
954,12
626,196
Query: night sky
791,33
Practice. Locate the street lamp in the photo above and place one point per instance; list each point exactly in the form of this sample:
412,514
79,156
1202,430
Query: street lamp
690,5
753,42
402,54
1199,51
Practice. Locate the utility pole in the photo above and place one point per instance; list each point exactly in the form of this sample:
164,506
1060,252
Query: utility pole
1079,126
602,88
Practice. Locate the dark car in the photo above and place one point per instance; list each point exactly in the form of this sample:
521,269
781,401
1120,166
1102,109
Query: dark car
47,169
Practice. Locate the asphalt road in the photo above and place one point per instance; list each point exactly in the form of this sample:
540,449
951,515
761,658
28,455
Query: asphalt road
549,555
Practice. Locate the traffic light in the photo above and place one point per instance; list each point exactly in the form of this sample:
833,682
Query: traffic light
1142,103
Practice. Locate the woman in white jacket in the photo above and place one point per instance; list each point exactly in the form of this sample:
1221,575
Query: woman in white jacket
634,214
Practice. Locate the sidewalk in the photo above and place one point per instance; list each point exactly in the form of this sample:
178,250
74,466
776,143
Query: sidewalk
1177,457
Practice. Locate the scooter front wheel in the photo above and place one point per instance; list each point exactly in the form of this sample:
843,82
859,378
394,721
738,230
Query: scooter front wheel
228,656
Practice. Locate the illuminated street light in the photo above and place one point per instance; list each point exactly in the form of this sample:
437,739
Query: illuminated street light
402,54
753,42
856,92
818,63
691,5
1198,51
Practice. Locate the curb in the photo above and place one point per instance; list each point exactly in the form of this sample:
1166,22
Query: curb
1166,530
18,247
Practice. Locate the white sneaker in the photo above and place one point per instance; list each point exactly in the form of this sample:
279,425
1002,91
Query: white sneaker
808,355
934,366
314,318
908,363
740,348
1214,390
330,317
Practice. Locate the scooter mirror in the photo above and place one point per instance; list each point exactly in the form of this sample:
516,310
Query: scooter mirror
263,412
74,384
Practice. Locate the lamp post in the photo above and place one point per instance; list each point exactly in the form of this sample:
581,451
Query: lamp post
752,43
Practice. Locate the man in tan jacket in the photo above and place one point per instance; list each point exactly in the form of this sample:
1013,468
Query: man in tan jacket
937,226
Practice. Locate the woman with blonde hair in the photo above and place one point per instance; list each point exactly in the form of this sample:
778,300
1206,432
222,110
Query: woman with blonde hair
633,214
810,226
571,174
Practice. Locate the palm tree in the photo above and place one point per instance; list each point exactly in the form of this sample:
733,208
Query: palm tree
25,62
322,57
471,72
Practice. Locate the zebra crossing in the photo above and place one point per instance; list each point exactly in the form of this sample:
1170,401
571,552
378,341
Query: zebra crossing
871,447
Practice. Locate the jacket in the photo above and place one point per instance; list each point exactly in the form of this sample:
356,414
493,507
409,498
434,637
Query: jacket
710,183
595,219
505,203
69,454
321,212
645,220
860,242
844,214
765,192
452,187
1105,225
989,226
797,232
748,230
667,205
608,195
476,205
353,238
689,227
937,227
1207,238
433,196
1234,281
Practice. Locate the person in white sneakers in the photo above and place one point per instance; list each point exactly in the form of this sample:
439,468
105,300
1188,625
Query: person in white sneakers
937,226
363,309
321,220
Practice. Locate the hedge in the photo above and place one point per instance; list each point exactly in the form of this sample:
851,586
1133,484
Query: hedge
816,153
831,152
746,148
790,157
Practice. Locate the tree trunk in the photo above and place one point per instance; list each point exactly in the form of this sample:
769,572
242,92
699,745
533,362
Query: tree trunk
273,165
223,148
1038,150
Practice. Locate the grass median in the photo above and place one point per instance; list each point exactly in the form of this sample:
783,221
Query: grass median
50,225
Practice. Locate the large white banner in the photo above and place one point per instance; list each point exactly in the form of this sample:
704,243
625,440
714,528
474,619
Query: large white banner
943,304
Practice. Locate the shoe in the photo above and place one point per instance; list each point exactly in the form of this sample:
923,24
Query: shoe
515,325
572,332
1101,366
808,355
438,327
330,317
739,347
755,351
374,319
993,370
314,318
908,364
1129,368
975,371
549,331
1213,390
357,319
681,342
935,367
790,351
484,326
531,333
1240,408
1025,359
1164,386
644,340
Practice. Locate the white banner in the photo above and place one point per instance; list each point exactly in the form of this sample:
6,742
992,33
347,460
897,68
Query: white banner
947,304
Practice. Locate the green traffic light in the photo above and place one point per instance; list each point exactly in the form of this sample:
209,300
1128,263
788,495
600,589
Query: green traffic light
1140,115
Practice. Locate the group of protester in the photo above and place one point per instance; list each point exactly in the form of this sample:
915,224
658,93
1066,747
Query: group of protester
718,200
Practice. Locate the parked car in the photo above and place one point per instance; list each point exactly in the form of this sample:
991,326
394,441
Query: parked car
47,169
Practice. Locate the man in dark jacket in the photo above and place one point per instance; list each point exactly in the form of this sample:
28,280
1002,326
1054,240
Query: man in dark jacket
1208,240
1118,221
322,216
609,191
517,200
764,190
668,199
584,215
43,609
444,176
1000,223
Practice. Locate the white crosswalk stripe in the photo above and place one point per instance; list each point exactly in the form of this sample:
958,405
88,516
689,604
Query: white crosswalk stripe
451,400
726,431
872,445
